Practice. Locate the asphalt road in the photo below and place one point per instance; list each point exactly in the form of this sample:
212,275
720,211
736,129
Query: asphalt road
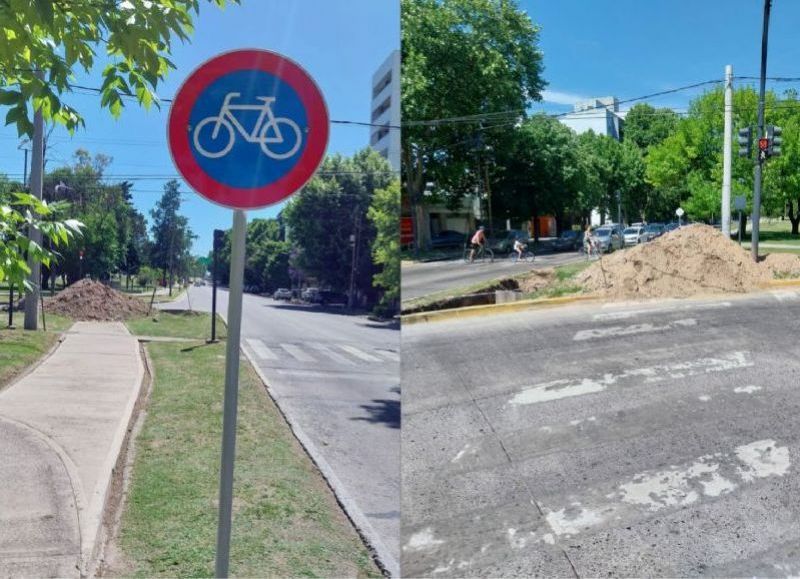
336,378
421,279
629,440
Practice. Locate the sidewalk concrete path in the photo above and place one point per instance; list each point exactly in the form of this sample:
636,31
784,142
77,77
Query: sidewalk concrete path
61,430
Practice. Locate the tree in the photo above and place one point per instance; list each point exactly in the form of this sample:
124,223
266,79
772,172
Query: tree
172,237
18,213
646,126
62,38
472,59
385,215
329,210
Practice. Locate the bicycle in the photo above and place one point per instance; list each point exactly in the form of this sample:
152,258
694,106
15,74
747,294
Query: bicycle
260,133
527,256
481,253
590,250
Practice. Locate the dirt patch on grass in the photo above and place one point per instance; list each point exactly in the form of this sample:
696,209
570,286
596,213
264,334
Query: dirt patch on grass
91,300
782,265
536,280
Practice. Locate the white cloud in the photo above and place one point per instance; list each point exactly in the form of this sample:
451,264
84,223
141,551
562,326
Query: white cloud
562,98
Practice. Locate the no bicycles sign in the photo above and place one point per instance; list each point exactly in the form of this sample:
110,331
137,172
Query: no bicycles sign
248,128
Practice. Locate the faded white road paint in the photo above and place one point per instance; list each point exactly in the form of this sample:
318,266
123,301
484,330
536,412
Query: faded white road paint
704,398
676,487
746,389
762,459
558,389
422,540
627,314
468,449
784,295
631,330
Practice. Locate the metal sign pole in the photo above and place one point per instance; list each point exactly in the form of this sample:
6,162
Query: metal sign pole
231,392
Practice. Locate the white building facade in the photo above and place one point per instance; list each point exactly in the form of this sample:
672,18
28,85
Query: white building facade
602,116
385,111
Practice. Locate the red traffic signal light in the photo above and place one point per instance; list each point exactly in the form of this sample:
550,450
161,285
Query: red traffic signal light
763,144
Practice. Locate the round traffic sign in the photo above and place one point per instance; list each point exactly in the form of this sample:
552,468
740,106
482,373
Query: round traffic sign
248,128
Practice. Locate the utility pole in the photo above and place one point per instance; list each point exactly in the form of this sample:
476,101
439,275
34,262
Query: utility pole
761,156
37,167
726,154
354,241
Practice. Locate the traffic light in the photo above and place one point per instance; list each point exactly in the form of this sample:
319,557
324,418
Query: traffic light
219,236
774,139
745,141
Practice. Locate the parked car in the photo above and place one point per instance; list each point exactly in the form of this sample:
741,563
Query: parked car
310,294
671,227
634,235
504,241
282,293
609,238
568,241
448,238
327,297
654,230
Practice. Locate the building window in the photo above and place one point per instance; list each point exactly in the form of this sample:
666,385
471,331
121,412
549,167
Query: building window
384,106
382,84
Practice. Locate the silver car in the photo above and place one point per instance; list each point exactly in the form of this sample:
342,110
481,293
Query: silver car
608,238
634,235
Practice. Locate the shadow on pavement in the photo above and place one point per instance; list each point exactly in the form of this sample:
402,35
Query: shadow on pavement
382,412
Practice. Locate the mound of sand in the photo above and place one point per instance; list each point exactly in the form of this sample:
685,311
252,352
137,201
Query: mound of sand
536,280
91,300
782,265
686,262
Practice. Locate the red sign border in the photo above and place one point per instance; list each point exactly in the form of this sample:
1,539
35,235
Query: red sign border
248,59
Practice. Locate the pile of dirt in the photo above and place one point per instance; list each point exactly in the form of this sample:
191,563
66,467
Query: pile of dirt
91,300
782,265
686,262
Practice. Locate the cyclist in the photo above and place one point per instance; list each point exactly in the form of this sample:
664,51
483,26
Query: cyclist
589,242
519,248
478,241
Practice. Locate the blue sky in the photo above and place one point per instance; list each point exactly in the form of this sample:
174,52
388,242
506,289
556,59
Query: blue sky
629,48
339,42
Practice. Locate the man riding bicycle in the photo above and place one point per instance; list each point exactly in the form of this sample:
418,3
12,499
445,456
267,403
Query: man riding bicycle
519,247
590,243
478,241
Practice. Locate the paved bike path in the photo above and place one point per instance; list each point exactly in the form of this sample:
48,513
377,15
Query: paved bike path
61,430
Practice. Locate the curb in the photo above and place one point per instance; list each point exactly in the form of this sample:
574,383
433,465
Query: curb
490,309
781,283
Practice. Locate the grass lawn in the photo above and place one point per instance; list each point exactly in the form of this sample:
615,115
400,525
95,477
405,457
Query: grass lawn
286,521
177,324
20,348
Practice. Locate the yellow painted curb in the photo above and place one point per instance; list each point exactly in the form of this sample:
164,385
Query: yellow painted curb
782,283
490,309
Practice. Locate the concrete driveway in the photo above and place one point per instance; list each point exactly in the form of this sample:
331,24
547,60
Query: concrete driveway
630,440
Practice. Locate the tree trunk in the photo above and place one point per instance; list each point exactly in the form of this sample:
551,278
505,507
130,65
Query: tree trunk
743,225
794,218
536,231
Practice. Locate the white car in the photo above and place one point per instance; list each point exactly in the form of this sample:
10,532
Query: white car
608,238
634,235
282,293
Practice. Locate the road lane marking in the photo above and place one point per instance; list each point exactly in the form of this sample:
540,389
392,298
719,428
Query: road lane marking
394,356
558,389
297,353
326,351
423,540
260,349
784,295
625,314
630,330
359,354
709,476
746,389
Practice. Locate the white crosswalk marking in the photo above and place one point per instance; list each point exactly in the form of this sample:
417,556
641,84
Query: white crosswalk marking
260,349
297,353
394,356
359,354
326,351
